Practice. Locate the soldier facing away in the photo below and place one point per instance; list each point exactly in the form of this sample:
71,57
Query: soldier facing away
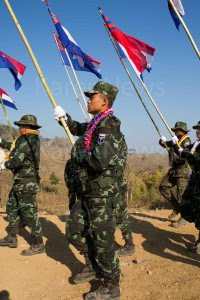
178,175
23,161
97,150
190,204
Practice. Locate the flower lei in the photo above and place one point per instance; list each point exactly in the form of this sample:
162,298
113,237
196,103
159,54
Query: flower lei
92,126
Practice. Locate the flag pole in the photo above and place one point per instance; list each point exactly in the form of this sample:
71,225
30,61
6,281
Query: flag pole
133,83
76,78
7,118
39,71
70,80
185,28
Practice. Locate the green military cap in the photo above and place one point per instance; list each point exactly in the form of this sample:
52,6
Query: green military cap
104,88
180,125
196,126
28,120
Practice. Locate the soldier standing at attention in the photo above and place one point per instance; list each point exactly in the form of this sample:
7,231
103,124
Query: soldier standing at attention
23,161
190,204
179,173
97,150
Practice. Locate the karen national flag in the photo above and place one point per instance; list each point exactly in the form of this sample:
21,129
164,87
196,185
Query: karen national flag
76,60
7,100
71,46
180,9
16,68
138,53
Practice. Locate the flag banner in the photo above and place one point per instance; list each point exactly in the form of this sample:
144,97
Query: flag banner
7,100
71,46
16,68
138,53
76,60
179,7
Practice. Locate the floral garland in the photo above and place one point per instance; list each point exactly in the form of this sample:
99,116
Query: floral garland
92,126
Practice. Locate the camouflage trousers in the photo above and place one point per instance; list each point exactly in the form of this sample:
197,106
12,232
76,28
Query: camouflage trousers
90,228
172,189
123,221
25,203
190,204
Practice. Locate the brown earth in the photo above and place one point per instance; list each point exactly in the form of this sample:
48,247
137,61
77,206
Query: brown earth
165,270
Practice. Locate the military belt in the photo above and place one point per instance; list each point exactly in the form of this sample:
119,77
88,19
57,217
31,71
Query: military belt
26,180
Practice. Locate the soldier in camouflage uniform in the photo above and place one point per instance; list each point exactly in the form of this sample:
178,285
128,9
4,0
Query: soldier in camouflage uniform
190,204
97,150
24,161
179,173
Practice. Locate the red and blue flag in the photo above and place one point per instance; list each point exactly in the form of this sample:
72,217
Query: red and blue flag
139,54
7,100
16,68
71,46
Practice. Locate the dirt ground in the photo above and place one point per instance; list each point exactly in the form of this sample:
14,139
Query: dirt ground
165,269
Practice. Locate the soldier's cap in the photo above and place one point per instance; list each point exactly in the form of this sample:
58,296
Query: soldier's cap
196,126
28,120
180,125
103,88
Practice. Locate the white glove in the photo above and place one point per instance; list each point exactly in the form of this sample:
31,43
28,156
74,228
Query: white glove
2,166
174,140
163,139
59,113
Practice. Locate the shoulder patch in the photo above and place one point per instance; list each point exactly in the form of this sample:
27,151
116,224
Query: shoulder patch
101,138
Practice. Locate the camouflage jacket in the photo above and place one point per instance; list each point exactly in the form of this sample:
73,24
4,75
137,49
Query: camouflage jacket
175,161
105,164
194,161
24,158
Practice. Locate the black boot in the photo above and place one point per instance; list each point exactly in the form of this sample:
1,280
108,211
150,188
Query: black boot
128,249
89,272
196,247
11,239
106,291
36,247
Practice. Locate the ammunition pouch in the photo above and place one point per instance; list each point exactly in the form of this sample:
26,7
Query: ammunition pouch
100,184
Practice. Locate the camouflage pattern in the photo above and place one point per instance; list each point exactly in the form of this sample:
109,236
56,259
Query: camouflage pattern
29,120
105,88
24,163
190,204
25,202
100,188
175,181
180,125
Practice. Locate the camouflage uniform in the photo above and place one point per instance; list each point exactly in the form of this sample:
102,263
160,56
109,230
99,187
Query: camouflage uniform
190,204
100,187
24,163
179,173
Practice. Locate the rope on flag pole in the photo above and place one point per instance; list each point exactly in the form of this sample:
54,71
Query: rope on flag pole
133,83
7,118
76,78
185,28
70,80
50,95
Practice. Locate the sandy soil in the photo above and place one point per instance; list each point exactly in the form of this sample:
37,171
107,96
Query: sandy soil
165,269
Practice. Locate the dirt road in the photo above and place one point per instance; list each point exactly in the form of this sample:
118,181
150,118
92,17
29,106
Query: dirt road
165,269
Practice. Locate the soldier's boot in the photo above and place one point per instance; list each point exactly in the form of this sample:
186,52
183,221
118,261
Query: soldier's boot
36,247
172,215
179,223
128,249
11,239
89,272
195,248
106,291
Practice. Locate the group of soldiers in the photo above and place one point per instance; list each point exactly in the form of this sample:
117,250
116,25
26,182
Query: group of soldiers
97,188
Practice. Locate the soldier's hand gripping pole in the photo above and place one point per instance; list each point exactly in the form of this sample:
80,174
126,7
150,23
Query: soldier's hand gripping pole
39,71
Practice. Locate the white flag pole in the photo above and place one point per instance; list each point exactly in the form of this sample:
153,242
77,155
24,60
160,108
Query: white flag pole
185,28
76,78
76,95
